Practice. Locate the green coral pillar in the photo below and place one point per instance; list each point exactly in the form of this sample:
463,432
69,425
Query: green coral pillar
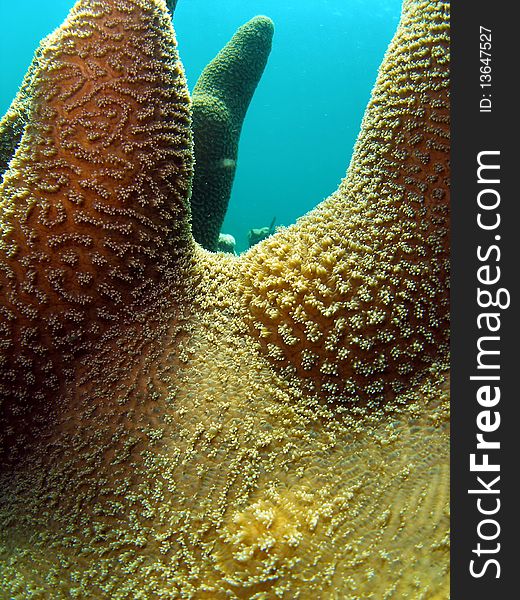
221,98
171,4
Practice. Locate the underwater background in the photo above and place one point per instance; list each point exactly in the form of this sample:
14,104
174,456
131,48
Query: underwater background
304,118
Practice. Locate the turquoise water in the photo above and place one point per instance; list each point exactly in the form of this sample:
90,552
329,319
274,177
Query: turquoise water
304,119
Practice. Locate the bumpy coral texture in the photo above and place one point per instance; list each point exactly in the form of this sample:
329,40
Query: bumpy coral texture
182,424
221,98
13,123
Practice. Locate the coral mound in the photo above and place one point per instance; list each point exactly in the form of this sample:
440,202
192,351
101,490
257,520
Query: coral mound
178,423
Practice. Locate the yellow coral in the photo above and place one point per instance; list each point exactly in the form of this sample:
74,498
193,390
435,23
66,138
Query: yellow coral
182,424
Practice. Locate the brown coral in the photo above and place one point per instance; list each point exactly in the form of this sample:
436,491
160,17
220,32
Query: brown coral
101,174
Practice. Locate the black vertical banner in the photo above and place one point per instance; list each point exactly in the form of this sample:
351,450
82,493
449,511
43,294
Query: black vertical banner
485,263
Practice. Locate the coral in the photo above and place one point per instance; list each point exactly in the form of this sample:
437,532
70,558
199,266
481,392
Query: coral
258,234
171,4
221,98
89,201
355,311
13,123
179,423
226,243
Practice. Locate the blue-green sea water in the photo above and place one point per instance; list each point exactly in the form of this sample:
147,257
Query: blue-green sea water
303,121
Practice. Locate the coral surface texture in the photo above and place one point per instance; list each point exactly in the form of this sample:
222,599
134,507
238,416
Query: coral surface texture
177,423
